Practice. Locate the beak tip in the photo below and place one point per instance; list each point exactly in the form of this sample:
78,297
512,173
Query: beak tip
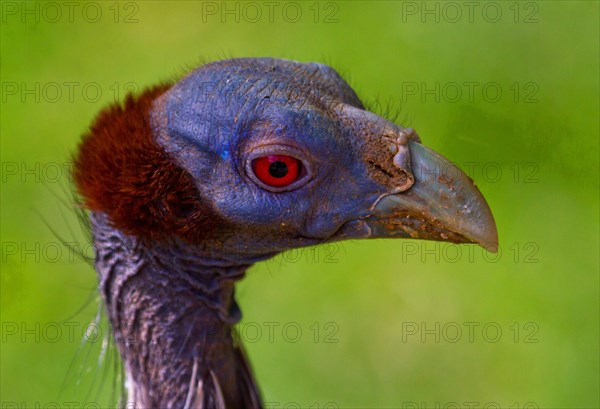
484,231
491,245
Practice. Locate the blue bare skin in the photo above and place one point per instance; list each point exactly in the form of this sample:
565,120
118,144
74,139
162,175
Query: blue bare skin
171,304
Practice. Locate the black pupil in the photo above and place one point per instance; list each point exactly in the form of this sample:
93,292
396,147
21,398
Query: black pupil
278,169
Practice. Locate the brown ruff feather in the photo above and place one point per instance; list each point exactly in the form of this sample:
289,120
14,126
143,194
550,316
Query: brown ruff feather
120,170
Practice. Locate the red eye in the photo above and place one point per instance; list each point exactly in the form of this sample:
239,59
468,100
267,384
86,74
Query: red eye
277,170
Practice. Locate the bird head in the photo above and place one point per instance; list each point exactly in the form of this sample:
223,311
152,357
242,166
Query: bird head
246,158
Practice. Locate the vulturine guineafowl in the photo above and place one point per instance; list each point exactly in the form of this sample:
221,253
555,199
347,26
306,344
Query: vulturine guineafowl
190,184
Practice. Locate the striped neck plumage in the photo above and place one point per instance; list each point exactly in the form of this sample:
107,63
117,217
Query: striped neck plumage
172,312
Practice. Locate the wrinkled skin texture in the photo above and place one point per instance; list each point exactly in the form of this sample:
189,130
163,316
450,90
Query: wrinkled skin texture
170,291
212,120
172,314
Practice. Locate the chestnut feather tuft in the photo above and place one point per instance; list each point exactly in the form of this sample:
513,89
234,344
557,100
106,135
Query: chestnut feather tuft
120,170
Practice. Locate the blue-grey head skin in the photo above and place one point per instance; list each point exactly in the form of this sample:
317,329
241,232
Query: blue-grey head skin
366,177
171,304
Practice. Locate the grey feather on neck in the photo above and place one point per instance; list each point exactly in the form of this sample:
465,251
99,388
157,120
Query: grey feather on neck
173,314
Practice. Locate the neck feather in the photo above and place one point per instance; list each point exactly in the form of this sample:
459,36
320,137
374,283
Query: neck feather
172,312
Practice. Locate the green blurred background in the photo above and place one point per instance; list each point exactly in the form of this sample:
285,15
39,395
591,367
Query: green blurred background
508,91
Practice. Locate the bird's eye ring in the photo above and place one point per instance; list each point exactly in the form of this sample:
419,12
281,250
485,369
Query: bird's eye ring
277,170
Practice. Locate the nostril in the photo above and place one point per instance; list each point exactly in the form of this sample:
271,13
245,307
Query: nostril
397,178
381,169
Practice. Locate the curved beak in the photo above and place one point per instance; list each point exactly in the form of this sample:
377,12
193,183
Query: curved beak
443,204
